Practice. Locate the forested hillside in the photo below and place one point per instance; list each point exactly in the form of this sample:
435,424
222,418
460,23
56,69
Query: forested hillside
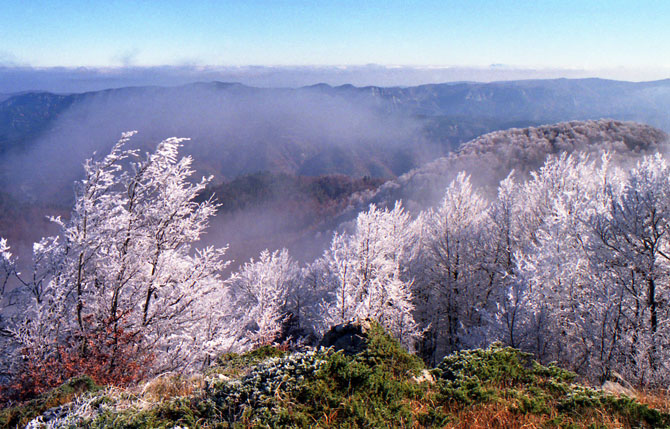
490,157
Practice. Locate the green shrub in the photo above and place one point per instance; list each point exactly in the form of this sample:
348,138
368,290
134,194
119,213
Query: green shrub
236,365
506,375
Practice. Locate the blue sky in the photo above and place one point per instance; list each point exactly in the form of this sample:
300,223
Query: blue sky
552,34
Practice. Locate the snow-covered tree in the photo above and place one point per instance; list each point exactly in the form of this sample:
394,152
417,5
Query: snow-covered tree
455,284
365,275
262,292
635,241
122,270
596,265
7,265
506,232
563,300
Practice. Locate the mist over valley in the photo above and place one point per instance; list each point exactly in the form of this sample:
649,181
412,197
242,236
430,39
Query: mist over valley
238,132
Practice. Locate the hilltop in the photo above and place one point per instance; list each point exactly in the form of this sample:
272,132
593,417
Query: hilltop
381,385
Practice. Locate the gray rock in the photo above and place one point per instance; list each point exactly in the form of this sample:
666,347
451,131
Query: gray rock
50,416
350,337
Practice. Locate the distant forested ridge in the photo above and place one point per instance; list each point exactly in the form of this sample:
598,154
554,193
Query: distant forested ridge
374,131
490,157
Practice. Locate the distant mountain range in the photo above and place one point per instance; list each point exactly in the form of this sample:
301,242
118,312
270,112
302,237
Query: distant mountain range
380,132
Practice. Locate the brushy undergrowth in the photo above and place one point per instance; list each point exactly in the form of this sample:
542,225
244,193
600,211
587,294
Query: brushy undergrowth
20,415
474,379
383,386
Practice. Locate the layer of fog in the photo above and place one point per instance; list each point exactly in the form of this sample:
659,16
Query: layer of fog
233,130
237,130
15,79
488,159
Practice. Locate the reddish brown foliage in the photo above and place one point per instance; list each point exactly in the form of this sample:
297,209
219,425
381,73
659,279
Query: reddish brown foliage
109,354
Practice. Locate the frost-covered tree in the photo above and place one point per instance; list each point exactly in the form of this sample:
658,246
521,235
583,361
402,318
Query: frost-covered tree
563,293
455,284
7,270
506,234
635,241
364,273
121,275
7,266
596,266
263,292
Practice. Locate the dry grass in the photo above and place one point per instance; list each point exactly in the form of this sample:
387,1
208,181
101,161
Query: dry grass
499,415
658,399
168,386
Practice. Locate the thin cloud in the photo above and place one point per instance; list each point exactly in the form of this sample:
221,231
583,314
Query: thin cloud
9,59
127,58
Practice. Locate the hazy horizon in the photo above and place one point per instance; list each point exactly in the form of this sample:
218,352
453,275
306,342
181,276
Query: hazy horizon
14,79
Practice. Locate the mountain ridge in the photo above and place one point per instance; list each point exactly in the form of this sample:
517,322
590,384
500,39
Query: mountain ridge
492,156
319,129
